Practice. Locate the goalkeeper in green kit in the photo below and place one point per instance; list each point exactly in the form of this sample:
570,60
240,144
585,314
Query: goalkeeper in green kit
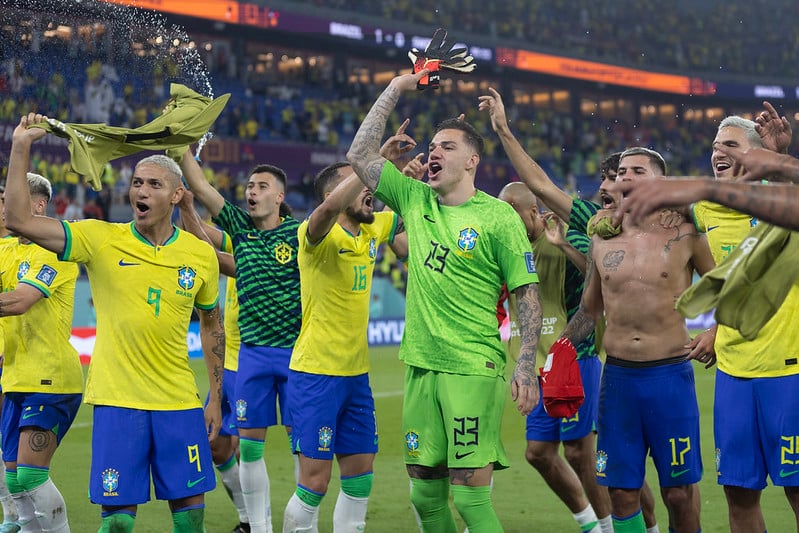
462,246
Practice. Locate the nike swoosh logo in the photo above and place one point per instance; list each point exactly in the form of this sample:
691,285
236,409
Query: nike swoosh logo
711,228
784,473
252,237
567,428
29,414
459,455
344,251
678,473
124,263
190,484
429,219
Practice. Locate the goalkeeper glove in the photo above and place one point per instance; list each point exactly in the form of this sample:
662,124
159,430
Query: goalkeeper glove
439,54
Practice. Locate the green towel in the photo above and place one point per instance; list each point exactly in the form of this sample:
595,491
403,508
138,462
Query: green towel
602,224
186,118
750,285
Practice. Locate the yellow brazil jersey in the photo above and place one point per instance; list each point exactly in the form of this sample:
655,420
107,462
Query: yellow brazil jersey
8,272
775,350
38,354
143,295
335,283
232,336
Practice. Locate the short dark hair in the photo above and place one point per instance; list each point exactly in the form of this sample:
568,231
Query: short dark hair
610,163
278,172
321,183
653,156
473,138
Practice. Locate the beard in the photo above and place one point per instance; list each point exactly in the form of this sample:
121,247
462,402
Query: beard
360,216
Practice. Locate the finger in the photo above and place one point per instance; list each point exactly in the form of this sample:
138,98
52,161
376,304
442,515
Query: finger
514,390
419,157
769,111
461,116
495,94
421,74
401,129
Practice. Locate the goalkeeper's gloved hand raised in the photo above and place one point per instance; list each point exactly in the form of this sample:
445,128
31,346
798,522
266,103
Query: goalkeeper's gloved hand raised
439,54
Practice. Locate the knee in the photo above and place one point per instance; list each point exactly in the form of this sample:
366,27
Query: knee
429,495
538,456
677,497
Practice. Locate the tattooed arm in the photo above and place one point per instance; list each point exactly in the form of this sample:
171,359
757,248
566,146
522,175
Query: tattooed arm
591,306
364,153
212,338
524,385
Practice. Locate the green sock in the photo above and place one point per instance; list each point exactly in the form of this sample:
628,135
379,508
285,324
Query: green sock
475,507
630,524
359,486
188,521
308,496
117,523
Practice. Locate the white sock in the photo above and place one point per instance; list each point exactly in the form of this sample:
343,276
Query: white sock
9,509
587,520
27,516
349,516
299,516
255,490
606,524
232,483
50,508
653,529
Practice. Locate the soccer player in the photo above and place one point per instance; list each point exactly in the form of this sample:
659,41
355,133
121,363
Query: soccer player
224,449
332,405
560,263
756,392
462,246
146,277
6,501
264,238
42,377
647,399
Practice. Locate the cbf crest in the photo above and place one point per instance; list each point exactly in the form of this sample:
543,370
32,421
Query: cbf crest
110,479
412,443
601,462
372,248
186,276
23,269
283,253
325,438
241,409
467,239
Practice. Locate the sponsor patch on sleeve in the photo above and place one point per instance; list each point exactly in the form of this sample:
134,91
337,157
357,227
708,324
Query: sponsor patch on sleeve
528,260
46,275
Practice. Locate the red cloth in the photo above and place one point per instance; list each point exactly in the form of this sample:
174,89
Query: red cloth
502,313
561,384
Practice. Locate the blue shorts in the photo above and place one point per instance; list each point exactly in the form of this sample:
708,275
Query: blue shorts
260,385
332,415
542,427
756,429
129,443
52,412
648,409
228,415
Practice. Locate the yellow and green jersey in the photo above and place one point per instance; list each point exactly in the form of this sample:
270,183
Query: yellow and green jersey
232,337
38,354
773,352
336,281
143,295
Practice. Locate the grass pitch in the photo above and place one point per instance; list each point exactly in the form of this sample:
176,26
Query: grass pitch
522,500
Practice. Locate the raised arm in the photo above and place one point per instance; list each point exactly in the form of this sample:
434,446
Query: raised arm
324,216
45,231
203,191
212,337
364,153
524,385
530,173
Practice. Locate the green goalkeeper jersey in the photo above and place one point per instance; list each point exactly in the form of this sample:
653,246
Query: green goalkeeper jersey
459,257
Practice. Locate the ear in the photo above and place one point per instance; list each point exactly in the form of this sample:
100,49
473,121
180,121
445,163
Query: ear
473,161
177,195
